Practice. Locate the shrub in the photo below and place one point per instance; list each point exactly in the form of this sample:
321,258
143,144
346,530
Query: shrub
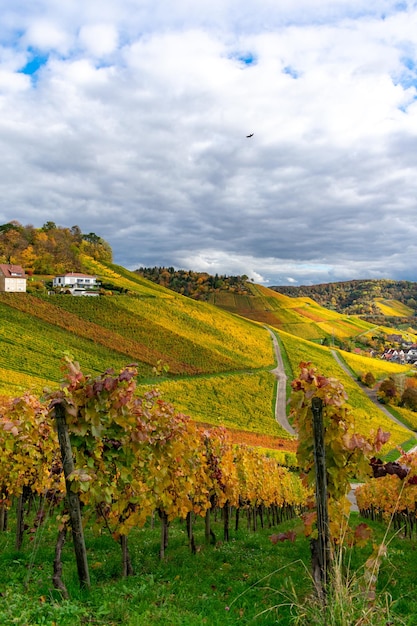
369,379
388,392
409,398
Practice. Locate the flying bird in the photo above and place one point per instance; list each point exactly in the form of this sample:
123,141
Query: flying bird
248,136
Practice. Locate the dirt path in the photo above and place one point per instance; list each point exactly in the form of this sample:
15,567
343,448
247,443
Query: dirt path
281,399
371,393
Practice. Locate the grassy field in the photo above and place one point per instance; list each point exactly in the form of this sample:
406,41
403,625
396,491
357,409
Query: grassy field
367,415
248,580
239,401
301,317
360,365
217,361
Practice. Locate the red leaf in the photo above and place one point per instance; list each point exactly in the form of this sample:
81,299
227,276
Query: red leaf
290,535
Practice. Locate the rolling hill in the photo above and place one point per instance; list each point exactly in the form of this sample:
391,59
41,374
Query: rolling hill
219,353
381,301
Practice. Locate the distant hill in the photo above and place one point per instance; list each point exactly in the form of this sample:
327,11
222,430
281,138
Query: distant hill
354,314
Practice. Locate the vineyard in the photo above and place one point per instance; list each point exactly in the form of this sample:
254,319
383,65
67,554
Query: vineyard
213,401
367,415
190,339
179,432
134,455
32,346
301,317
393,308
391,495
360,364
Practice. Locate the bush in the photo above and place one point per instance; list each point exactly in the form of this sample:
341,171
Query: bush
388,392
369,380
409,398
36,287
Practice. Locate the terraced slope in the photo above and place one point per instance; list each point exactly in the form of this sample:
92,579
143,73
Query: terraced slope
218,358
298,316
367,415
393,308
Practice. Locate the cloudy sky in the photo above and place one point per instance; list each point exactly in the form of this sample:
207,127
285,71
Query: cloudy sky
130,118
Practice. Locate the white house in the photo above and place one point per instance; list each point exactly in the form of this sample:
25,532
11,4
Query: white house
78,284
12,278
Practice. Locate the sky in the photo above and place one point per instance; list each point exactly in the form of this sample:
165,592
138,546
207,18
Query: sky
130,120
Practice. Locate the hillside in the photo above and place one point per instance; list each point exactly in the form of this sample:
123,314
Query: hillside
218,351
302,317
382,303
388,302
224,360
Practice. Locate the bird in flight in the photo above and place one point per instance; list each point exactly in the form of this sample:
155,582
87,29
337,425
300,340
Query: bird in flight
248,136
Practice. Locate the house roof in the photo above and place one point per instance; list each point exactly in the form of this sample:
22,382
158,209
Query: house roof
12,271
74,275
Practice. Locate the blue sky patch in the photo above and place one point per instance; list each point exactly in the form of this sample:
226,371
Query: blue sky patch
245,58
291,71
248,58
409,76
34,64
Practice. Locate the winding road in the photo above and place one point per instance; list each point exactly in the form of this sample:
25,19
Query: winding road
281,395
371,393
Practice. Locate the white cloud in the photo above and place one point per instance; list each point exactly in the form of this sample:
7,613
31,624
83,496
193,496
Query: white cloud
134,126
99,39
45,35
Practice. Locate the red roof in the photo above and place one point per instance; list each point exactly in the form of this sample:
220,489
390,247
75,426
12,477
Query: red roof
12,271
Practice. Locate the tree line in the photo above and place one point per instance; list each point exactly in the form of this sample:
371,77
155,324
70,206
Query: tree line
356,297
196,285
50,249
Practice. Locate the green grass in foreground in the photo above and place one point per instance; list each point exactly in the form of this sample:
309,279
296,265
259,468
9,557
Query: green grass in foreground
227,584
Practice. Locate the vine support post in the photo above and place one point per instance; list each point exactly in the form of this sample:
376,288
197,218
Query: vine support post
320,547
73,500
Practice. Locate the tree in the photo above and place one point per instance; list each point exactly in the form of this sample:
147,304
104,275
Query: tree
388,392
49,226
409,398
369,379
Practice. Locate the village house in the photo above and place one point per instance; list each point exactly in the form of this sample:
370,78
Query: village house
12,278
77,284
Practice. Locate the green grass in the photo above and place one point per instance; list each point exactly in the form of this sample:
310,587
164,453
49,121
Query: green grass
234,583
368,417
242,401
35,347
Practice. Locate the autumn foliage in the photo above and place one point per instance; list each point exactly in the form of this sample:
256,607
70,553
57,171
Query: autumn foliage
133,455
347,452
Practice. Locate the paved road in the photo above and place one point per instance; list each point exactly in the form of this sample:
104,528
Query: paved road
371,393
281,401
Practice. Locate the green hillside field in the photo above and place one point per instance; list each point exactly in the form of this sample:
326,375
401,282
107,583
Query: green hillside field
301,317
368,417
218,359
217,362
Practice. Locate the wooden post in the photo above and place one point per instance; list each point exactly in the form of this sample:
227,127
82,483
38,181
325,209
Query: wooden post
20,521
226,515
73,500
164,534
321,546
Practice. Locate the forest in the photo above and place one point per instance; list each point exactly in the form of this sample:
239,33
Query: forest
50,249
356,297
195,285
